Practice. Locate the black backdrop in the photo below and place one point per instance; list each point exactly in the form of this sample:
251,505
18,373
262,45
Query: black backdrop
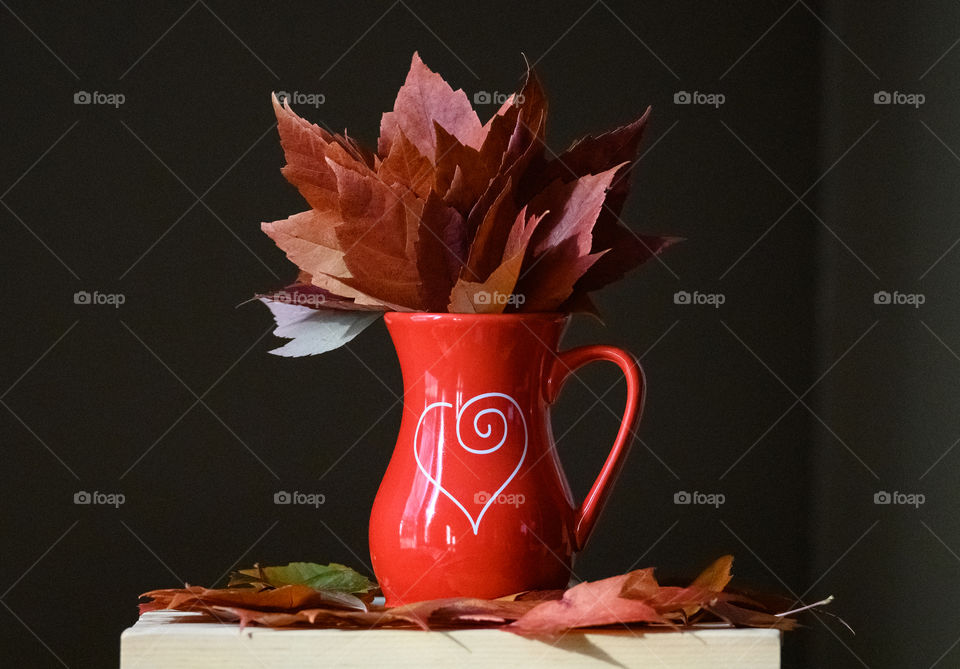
798,399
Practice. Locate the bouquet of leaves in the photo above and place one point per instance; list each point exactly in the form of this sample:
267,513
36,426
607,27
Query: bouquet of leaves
449,215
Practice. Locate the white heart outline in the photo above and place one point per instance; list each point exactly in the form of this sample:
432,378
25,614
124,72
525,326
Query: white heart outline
474,524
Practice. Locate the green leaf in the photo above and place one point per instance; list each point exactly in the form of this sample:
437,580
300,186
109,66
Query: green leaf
333,576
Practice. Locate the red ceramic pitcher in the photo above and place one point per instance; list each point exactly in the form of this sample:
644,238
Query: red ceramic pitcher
474,501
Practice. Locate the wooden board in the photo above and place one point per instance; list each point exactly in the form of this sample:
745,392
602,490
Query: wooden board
173,640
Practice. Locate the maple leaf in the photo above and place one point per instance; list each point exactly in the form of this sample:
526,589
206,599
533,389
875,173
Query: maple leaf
406,166
503,279
331,576
424,98
585,605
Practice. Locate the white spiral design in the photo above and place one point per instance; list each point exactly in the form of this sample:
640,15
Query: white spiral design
486,433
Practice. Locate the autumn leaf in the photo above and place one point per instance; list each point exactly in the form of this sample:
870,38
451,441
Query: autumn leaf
315,331
426,98
502,281
284,598
406,166
331,576
585,605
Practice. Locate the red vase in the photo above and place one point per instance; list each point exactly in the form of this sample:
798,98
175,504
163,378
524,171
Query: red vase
475,502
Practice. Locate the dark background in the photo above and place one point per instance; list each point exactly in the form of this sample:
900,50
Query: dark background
798,399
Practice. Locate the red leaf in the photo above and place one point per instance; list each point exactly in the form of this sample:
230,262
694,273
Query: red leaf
309,240
502,281
308,148
548,281
585,605
406,166
426,98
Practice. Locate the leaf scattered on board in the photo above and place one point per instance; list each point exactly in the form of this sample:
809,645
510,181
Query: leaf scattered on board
309,594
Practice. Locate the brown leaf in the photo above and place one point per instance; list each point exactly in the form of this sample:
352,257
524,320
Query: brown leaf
462,175
285,598
573,209
675,602
489,243
549,280
378,233
423,99
310,241
741,617
717,576
585,605
492,295
308,148
406,166
439,251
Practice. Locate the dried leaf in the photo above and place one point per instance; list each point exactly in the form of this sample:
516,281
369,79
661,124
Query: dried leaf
440,248
497,291
309,240
331,576
585,605
314,331
741,617
285,598
405,166
549,281
308,148
426,98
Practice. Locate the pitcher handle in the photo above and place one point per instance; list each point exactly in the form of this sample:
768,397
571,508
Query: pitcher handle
565,364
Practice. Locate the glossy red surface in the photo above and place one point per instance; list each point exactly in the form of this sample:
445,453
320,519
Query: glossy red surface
474,501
